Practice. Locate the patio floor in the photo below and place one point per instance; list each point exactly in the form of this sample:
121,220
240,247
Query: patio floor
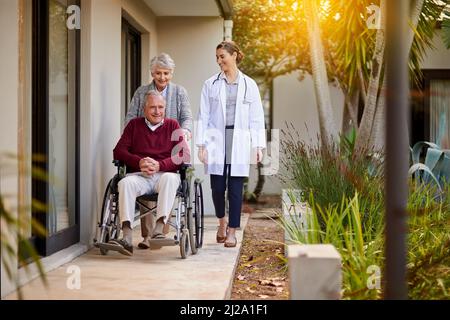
148,274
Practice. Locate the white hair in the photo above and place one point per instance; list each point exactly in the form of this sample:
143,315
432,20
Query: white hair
163,61
153,93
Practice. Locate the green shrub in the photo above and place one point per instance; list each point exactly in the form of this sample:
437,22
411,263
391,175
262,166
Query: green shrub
14,220
331,175
343,227
429,243
345,193
360,241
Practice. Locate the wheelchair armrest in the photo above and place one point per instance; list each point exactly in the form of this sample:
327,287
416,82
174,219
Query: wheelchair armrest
182,170
118,163
121,167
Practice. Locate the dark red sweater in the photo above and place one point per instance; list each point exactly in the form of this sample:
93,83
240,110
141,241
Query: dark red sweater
138,142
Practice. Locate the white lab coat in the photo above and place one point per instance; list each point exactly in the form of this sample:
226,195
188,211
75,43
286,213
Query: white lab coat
249,128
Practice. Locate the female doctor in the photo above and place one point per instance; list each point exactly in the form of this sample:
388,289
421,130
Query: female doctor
230,135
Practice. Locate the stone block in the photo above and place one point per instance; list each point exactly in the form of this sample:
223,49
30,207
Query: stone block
314,272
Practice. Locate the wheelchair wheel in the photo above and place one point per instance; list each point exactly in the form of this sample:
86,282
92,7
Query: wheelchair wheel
198,213
191,229
184,243
190,223
109,227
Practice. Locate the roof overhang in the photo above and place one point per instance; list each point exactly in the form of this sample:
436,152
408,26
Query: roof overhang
191,8
226,8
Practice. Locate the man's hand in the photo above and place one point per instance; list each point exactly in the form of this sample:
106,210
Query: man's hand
154,165
148,166
144,165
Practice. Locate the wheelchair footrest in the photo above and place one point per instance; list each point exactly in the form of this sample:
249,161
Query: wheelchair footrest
163,242
107,246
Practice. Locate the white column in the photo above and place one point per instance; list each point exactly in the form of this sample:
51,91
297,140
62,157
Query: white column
9,84
228,30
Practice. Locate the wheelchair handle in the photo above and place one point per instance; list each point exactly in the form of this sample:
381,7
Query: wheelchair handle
183,169
118,163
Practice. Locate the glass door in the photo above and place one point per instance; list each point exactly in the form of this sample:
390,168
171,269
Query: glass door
55,122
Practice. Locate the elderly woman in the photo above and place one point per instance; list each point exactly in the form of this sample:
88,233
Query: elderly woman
177,108
177,102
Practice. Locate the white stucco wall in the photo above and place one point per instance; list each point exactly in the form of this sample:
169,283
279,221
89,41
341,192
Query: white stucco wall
9,82
191,42
101,94
100,104
438,58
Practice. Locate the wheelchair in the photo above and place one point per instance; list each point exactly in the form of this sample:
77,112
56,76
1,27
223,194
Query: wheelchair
188,213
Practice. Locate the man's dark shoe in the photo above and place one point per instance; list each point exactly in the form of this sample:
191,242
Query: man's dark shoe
122,246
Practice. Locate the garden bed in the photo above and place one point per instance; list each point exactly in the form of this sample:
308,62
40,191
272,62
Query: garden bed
261,272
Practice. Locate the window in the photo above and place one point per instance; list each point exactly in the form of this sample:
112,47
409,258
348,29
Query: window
430,119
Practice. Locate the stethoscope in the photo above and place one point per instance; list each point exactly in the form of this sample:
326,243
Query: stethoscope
245,91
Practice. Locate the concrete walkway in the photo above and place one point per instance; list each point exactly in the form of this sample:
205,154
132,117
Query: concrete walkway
148,274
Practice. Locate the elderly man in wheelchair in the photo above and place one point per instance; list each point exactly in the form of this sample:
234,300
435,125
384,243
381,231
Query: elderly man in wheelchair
153,149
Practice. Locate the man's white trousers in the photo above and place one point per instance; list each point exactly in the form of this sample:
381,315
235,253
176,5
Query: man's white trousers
136,184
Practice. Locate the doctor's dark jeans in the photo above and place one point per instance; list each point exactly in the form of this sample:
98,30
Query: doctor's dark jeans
235,185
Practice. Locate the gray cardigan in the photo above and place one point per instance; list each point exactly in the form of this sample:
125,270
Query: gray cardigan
177,104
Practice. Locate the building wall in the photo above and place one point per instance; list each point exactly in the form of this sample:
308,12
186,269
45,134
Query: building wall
9,84
438,58
100,104
101,94
191,42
